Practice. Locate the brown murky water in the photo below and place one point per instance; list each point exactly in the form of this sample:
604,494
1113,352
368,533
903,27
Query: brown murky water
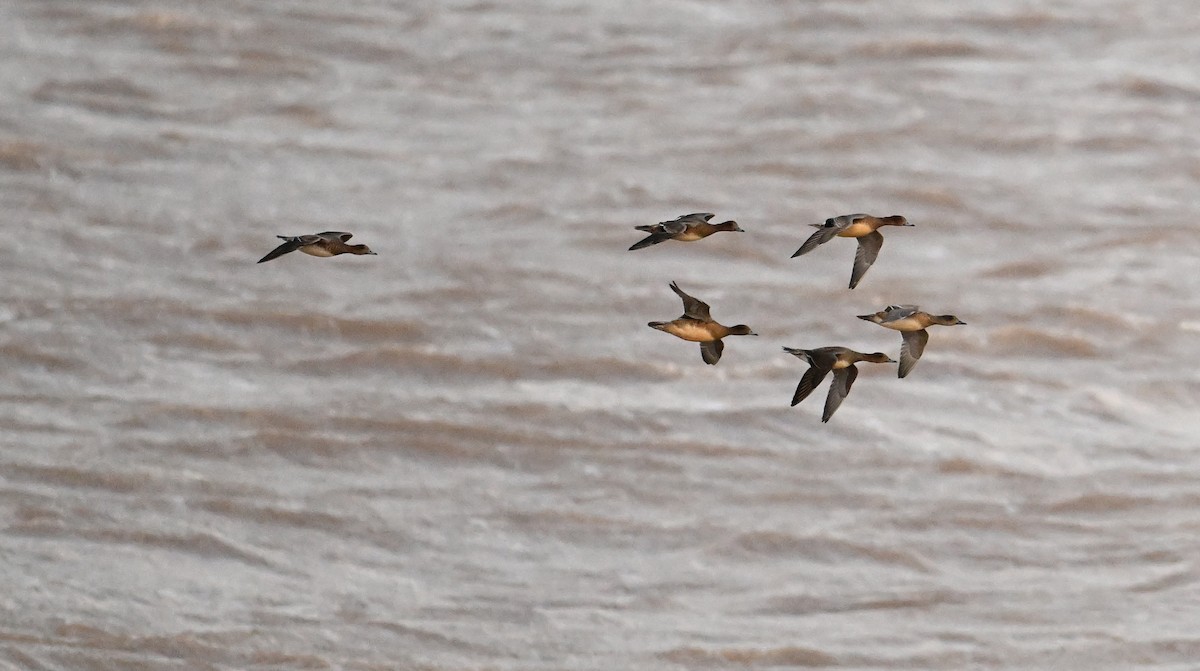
469,452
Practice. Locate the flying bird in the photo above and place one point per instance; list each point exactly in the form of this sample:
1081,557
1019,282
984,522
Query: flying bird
687,228
697,325
911,322
823,360
862,226
329,243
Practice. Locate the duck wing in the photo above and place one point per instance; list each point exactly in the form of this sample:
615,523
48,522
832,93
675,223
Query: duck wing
824,234
664,227
812,377
290,244
693,218
868,250
693,308
711,351
650,240
659,233
894,312
334,235
843,379
911,348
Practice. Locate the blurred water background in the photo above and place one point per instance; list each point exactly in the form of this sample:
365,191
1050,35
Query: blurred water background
469,452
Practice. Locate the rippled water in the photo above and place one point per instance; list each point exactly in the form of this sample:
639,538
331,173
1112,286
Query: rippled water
469,452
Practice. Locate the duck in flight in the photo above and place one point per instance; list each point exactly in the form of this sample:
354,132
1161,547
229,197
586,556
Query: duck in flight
838,360
329,243
697,325
862,226
687,228
911,322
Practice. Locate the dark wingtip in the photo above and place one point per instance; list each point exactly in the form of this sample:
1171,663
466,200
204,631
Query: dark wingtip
646,242
796,254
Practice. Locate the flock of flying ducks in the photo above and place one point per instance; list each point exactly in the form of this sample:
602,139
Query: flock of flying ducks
697,325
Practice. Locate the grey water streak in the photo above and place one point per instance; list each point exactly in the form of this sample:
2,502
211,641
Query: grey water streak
470,452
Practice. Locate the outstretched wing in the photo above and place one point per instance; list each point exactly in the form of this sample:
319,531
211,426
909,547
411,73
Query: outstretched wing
868,250
693,307
335,235
824,234
838,391
289,245
659,233
911,348
812,377
650,240
711,351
